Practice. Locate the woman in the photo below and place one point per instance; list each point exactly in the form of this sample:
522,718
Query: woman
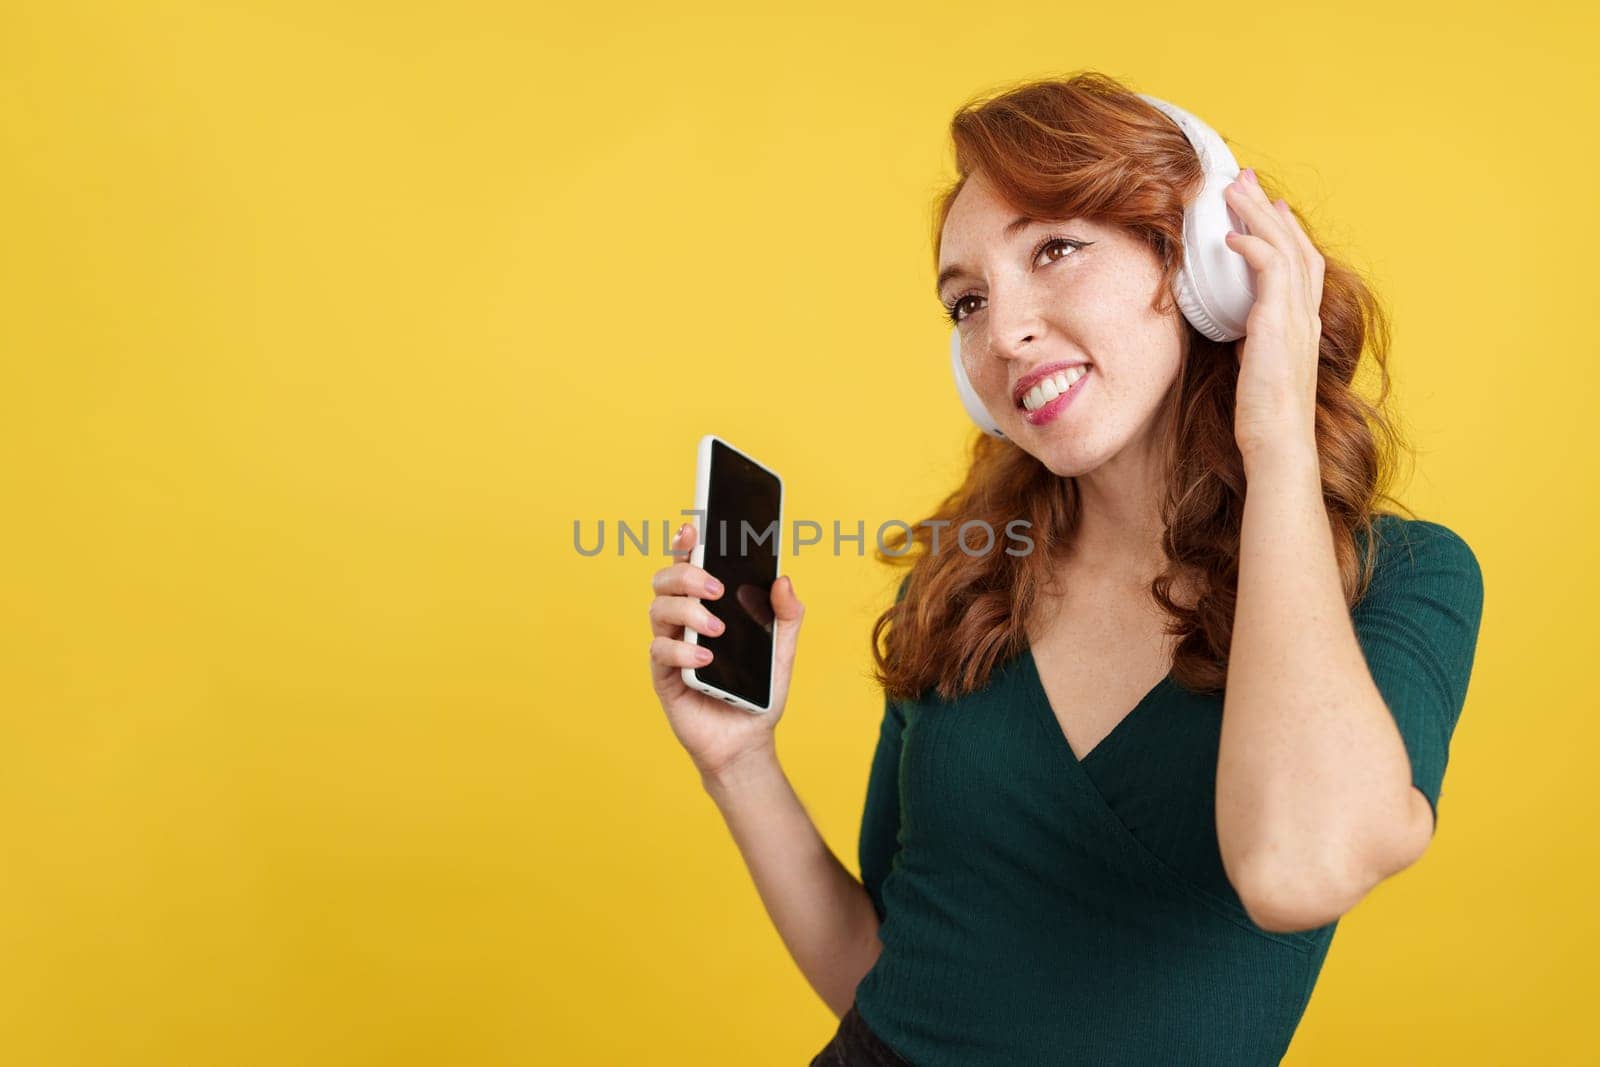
1127,782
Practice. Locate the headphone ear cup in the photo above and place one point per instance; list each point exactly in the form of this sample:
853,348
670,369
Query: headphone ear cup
1194,308
969,396
1216,288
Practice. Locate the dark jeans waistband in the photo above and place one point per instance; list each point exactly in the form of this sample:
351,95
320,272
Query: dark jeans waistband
854,1045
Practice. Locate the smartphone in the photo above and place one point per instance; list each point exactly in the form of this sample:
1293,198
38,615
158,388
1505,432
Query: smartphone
740,504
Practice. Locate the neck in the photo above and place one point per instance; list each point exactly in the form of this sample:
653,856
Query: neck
1119,527
1120,531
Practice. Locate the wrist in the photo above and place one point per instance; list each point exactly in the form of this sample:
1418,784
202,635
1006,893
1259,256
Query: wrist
1283,458
751,767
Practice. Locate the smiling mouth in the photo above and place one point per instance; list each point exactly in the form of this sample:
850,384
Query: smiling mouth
1047,389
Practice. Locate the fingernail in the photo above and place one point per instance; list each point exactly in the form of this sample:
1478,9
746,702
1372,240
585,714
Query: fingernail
714,587
703,654
1250,176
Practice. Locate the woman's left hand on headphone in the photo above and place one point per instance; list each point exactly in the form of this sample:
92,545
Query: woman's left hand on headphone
1275,403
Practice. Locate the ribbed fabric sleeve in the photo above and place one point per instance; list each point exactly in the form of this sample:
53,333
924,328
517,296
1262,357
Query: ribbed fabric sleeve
880,817
1418,628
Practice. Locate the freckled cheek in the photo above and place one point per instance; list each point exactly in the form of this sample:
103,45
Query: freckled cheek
991,381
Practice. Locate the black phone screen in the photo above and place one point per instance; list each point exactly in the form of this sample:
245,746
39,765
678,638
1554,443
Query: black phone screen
741,551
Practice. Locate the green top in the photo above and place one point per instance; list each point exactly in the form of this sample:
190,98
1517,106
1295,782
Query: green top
1036,908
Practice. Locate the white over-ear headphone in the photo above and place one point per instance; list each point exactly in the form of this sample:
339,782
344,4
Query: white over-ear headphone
1214,288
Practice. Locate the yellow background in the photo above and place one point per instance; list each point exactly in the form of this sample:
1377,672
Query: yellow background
322,323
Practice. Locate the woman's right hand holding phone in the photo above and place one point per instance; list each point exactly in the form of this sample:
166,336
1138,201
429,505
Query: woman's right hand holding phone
715,734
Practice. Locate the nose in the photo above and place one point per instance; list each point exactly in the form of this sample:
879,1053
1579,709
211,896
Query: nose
1014,327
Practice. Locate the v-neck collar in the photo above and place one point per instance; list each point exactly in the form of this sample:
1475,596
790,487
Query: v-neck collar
1041,701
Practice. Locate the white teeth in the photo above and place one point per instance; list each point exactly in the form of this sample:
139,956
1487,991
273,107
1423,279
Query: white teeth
1052,387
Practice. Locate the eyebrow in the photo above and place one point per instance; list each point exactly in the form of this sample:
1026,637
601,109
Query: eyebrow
956,270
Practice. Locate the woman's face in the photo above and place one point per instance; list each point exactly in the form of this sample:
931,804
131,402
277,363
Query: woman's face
1059,292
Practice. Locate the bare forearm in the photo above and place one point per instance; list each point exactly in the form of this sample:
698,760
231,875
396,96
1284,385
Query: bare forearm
1311,768
821,910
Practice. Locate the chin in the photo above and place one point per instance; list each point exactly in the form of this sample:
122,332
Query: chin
1071,449
1068,458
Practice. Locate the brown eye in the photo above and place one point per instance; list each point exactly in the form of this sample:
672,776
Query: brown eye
952,310
1049,241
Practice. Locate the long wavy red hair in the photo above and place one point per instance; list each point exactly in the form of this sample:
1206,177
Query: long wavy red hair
1086,146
